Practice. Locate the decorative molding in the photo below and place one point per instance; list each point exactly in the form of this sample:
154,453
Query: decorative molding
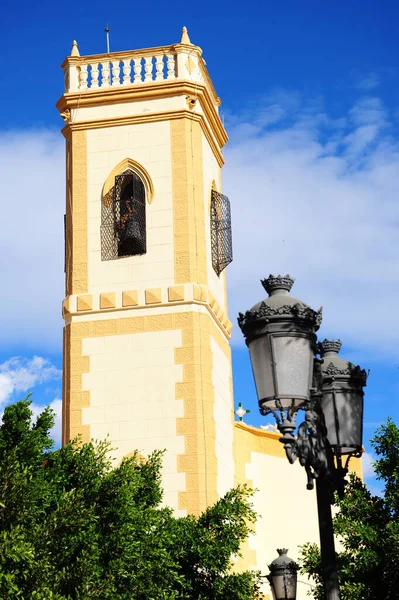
200,292
130,298
150,118
187,294
147,91
66,307
107,300
351,371
191,102
153,296
211,299
85,302
128,163
66,115
295,310
176,293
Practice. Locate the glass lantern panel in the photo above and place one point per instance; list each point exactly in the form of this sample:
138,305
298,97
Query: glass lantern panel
294,367
261,361
343,414
284,586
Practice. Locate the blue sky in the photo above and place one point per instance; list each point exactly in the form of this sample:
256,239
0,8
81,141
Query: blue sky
311,104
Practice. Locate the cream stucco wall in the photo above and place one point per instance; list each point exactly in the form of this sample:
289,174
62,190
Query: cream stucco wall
149,145
211,172
223,415
288,511
132,380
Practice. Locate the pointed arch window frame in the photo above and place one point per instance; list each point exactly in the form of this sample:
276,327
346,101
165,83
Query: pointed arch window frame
110,249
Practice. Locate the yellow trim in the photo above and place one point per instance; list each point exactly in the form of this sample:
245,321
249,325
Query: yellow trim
225,329
200,292
74,399
129,163
153,296
190,254
108,300
146,91
76,215
130,298
198,425
150,118
176,293
85,302
66,306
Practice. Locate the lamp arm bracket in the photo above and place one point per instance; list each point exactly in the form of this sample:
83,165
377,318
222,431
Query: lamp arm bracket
310,445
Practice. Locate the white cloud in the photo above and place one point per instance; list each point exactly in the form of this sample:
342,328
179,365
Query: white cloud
312,194
368,83
318,198
31,238
367,466
21,375
56,406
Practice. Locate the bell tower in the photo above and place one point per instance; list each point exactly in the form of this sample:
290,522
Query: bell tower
147,237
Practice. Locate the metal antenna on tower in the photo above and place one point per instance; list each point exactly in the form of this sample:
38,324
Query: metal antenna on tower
107,36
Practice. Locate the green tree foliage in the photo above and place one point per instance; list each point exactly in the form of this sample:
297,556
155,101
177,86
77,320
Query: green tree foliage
368,528
74,528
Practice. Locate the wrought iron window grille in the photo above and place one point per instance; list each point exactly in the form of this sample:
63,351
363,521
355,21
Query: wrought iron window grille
221,236
123,218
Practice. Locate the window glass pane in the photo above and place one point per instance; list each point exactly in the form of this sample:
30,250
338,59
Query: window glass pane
343,413
261,366
294,365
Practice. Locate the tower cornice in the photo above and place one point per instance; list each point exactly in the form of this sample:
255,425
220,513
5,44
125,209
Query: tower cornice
146,91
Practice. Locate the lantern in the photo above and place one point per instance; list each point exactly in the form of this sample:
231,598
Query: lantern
280,334
342,399
283,576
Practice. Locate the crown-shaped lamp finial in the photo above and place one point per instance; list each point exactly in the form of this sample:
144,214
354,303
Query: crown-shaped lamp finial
275,283
333,346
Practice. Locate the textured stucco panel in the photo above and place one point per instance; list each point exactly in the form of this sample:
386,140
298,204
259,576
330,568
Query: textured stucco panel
131,380
223,415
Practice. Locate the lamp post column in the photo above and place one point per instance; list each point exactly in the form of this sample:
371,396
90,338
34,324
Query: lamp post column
280,333
327,548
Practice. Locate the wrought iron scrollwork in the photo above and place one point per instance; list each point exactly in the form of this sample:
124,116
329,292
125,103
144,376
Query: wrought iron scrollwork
123,218
221,236
311,446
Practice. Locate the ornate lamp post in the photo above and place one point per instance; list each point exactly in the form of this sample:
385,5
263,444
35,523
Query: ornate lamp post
280,333
283,576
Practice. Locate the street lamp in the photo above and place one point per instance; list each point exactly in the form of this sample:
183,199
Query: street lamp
283,576
280,333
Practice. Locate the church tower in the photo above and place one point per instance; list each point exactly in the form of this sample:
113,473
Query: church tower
147,237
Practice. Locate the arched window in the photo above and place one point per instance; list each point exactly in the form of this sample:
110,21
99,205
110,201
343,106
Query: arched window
123,218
